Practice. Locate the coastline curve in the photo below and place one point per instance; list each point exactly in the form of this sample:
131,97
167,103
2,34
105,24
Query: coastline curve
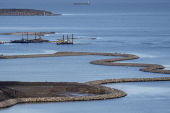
110,92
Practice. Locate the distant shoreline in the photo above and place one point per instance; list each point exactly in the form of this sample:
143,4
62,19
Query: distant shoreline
28,33
25,12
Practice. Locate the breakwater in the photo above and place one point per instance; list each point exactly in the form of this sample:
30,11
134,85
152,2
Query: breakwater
122,80
110,93
106,93
155,68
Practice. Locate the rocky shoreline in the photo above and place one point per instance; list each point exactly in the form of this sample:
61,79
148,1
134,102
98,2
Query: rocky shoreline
107,93
155,68
28,33
26,92
25,12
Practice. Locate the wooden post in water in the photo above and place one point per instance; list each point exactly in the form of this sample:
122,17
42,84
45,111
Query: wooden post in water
27,37
67,38
35,36
22,35
72,38
63,38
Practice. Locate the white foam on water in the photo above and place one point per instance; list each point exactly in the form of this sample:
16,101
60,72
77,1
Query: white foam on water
47,35
160,98
85,14
44,52
63,33
167,67
71,14
49,51
145,55
77,14
9,44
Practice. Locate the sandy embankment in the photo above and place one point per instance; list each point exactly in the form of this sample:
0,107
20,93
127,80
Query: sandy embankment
102,92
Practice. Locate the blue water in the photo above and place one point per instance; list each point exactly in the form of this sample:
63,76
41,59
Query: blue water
136,27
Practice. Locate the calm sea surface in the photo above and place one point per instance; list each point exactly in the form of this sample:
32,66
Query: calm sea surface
141,28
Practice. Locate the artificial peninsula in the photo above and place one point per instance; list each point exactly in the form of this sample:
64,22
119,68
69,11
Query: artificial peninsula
13,92
25,12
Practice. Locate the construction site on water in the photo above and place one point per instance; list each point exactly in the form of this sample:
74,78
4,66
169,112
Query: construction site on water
63,41
40,40
23,40
1,42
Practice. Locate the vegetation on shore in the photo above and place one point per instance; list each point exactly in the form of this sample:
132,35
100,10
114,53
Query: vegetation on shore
26,12
28,33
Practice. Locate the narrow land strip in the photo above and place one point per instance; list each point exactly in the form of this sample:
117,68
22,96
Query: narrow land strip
111,62
109,93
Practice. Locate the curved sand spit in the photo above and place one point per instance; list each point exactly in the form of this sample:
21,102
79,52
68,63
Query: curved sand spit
109,92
